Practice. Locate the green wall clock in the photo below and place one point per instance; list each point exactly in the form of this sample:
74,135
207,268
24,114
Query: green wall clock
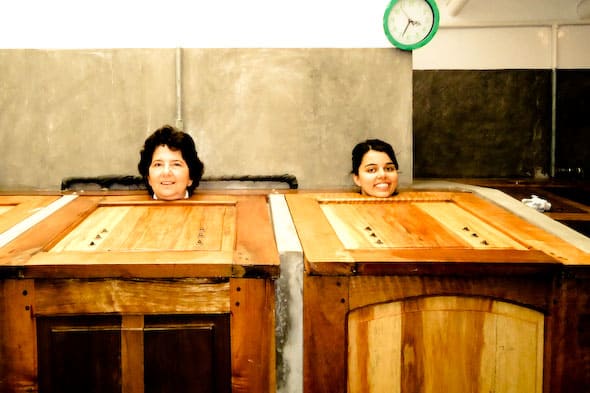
410,24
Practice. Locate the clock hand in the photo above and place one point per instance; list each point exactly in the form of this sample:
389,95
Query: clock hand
407,25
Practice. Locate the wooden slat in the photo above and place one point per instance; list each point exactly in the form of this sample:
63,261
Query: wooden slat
3,210
252,335
18,348
142,198
48,231
15,208
571,335
412,197
376,349
324,334
130,264
68,296
569,216
33,219
469,228
255,242
437,261
532,291
529,234
132,354
318,239
95,229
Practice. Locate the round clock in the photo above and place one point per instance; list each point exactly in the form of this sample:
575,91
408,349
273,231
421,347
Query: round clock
410,24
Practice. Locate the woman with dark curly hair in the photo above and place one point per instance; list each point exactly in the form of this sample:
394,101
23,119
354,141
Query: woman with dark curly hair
169,164
374,168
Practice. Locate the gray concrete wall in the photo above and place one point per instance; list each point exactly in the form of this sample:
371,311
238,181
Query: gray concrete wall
251,111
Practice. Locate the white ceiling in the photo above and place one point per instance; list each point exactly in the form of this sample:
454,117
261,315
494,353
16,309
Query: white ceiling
251,23
513,11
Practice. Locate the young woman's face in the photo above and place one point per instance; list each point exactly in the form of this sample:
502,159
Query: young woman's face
377,175
168,174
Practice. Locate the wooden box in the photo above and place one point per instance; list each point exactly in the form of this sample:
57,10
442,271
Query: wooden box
431,292
121,293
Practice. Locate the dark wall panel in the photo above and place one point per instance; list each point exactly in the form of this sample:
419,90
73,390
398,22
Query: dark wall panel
572,155
481,123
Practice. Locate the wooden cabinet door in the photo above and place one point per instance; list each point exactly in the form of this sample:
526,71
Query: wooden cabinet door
445,344
79,354
181,353
187,354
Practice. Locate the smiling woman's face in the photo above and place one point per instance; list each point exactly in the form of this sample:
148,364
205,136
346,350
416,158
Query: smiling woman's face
169,175
377,176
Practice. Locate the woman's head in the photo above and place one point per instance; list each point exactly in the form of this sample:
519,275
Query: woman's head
374,168
169,164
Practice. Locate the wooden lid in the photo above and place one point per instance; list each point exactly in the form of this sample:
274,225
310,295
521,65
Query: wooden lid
135,236
420,233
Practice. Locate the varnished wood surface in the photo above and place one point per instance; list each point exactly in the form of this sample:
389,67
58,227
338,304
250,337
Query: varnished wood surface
132,354
325,307
131,235
252,332
153,228
75,296
487,345
572,334
18,347
529,291
427,232
15,208
330,300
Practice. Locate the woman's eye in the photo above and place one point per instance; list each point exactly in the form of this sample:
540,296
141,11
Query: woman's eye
390,169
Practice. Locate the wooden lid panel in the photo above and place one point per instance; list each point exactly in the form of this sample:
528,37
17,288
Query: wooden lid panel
360,226
344,233
136,236
472,230
153,228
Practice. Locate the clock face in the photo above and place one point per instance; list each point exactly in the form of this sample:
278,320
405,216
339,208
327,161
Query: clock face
410,24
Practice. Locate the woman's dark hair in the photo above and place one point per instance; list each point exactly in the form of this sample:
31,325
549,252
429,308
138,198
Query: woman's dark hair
175,140
362,148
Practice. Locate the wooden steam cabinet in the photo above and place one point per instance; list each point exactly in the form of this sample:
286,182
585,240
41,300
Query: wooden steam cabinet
121,293
436,292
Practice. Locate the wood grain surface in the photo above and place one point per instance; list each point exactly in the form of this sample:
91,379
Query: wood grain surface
351,234
15,208
135,236
445,343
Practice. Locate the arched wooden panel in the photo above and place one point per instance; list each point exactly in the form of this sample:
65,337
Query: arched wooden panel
445,344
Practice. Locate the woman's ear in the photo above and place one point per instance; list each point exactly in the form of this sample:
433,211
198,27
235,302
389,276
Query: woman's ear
356,180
